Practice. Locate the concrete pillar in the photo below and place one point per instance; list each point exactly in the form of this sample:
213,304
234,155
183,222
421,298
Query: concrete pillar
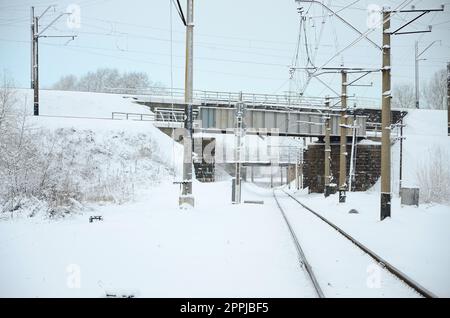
343,141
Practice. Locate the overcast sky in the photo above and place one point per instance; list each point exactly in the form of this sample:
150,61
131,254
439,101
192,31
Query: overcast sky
239,45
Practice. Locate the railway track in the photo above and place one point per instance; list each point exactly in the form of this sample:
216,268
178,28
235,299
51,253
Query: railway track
301,254
379,260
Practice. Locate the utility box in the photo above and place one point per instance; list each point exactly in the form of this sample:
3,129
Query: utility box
409,196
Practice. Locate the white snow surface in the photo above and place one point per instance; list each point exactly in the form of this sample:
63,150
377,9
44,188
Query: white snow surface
155,249
82,104
151,248
414,239
93,112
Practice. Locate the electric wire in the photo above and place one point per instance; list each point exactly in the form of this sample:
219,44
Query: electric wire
171,86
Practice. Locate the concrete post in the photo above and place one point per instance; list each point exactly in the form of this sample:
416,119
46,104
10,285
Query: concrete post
416,75
281,175
327,151
186,197
36,66
253,174
238,135
343,146
271,175
448,96
297,183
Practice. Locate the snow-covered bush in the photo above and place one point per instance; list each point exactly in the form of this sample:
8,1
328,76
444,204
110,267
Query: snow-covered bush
403,96
435,91
107,80
434,177
61,170
17,153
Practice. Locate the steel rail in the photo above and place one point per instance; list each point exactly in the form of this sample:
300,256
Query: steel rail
301,254
392,269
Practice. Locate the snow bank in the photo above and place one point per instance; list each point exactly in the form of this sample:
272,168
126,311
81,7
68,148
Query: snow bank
99,107
89,153
81,104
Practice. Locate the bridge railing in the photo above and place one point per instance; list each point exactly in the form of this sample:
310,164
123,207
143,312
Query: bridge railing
251,99
161,118
132,116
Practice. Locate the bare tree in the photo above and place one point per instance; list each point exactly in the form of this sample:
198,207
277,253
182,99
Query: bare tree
66,83
105,80
403,96
100,80
17,152
132,81
434,177
112,79
88,83
56,171
7,100
435,92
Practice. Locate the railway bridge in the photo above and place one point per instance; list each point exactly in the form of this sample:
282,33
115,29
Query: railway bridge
282,115
288,115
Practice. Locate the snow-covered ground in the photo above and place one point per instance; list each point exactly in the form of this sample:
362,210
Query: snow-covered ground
342,269
93,111
414,239
150,248
81,104
154,249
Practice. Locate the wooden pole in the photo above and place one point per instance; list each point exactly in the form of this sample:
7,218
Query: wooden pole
385,207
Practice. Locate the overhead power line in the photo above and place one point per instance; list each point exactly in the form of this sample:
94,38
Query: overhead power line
145,61
109,21
180,11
